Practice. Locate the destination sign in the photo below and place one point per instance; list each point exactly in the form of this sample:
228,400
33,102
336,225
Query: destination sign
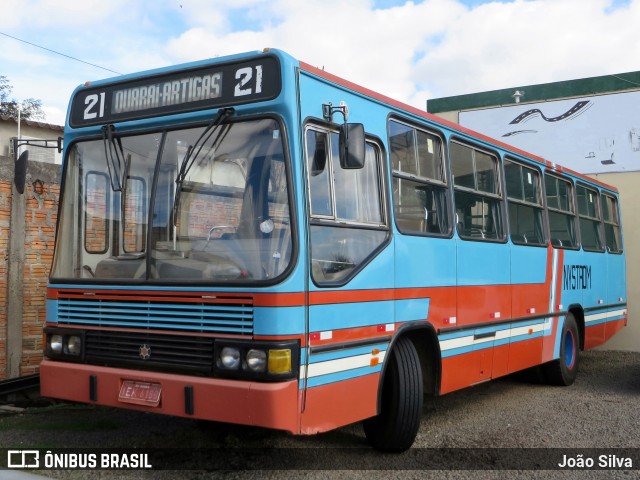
216,86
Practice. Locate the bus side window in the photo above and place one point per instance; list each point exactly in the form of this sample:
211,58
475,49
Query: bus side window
420,200
347,215
589,214
524,199
611,219
319,179
562,219
478,198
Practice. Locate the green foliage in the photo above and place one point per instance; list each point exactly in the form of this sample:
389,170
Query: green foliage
31,108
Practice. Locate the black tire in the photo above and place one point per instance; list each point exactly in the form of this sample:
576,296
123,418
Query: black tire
564,370
396,427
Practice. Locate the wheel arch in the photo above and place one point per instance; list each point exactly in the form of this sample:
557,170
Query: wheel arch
425,340
578,313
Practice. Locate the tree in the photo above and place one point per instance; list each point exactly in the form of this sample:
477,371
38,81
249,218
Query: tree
31,108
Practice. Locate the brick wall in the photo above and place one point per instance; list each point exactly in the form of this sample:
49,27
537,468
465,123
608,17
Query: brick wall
34,254
5,215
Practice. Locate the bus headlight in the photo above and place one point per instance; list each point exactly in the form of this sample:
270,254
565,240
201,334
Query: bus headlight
256,360
230,358
74,345
55,343
63,344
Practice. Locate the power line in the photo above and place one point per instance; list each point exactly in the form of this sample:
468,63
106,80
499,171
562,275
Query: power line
625,80
59,53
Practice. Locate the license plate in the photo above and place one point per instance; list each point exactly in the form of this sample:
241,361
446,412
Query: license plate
140,393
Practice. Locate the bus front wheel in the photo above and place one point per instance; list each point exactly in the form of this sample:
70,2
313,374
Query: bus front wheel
396,426
563,371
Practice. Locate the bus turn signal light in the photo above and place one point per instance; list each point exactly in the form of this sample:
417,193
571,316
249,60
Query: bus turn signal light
279,361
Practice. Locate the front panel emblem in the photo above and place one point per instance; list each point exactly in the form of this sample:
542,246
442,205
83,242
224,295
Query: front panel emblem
144,352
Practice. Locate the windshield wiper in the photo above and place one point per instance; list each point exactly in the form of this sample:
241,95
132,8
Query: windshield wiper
117,163
194,151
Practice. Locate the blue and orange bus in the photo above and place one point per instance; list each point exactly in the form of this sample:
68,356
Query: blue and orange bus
250,239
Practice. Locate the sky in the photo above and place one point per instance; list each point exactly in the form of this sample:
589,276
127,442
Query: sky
409,50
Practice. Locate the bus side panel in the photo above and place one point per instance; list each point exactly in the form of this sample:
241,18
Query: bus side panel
483,276
531,276
350,329
616,294
484,296
553,325
423,263
525,353
460,371
570,294
340,403
616,279
592,279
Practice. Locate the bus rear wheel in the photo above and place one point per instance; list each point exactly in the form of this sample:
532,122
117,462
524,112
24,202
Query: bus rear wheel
396,427
564,370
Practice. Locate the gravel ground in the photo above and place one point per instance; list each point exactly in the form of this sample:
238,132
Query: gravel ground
599,411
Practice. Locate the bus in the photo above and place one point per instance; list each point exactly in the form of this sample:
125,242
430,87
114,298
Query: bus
253,240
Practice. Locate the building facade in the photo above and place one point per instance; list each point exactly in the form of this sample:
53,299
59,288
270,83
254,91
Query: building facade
27,230
30,130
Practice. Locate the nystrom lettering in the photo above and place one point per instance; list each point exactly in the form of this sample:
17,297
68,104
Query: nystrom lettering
577,277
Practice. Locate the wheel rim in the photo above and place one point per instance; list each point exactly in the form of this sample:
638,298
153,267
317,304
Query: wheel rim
569,349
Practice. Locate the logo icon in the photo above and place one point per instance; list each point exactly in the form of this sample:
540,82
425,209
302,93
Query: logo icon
144,352
23,459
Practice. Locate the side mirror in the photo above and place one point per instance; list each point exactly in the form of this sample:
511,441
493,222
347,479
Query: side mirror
20,171
352,146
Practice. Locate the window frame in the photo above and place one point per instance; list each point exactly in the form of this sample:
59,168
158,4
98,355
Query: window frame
618,225
500,197
105,221
334,218
541,199
443,183
597,219
315,220
142,234
572,204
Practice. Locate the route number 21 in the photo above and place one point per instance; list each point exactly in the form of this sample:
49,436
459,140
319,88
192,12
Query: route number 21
244,77
91,101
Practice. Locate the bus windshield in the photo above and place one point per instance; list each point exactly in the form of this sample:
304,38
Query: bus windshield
177,205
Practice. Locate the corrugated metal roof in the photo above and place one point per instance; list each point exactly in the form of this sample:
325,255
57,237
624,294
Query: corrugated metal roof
33,123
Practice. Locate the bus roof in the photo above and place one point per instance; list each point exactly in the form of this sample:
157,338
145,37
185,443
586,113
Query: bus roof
175,69
451,125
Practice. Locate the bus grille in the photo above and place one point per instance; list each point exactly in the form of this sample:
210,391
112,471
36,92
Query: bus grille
215,314
150,351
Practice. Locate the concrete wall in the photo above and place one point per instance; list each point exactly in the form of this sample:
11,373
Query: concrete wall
628,184
27,229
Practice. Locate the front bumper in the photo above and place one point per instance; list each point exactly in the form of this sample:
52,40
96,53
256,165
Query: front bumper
270,405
